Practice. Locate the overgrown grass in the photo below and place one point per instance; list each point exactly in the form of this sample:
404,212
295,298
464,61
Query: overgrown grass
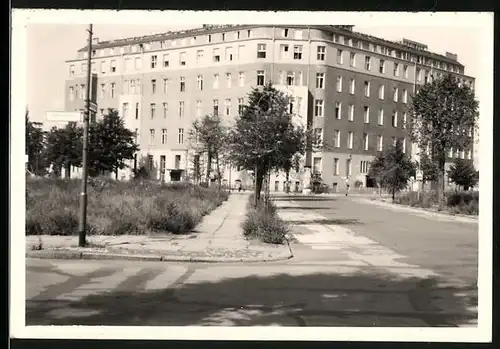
117,208
463,202
263,223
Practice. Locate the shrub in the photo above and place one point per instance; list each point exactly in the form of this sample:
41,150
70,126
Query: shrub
117,208
465,202
264,224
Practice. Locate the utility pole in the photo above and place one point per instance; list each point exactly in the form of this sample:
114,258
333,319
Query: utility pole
82,224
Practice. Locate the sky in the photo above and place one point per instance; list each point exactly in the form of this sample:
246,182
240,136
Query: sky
49,45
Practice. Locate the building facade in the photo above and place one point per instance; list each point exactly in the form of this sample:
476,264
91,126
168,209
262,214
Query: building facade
353,89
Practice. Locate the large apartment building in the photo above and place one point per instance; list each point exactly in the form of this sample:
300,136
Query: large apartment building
354,89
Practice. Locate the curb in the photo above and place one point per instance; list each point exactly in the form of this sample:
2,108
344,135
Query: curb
75,255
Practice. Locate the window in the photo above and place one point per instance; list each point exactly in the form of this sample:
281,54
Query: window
83,67
113,88
102,93
419,74
198,108
405,96
284,51
394,118
351,112
154,60
165,60
367,88
152,107
297,52
199,82
336,166
261,50
71,93
240,105
339,84
336,38
216,81
318,136
395,94
249,33
338,110
317,165
260,77
162,168
352,86
285,32
405,71
165,110
223,36
403,143
290,78
216,107
137,111
227,107
365,141
381,117
180,136
216,55
151,136
368,63
340,57
469,154
103,67
381,92
153,86
336,138
426,76
396,69
405,116
199,56
82,91
366,114
450,152
348,167
71,70
183,83
165,85
136,136
380,142
241,79
181,109
150,163
209,38
352,59
321,53
163,136
318,107
182,58
229,54
364,166
381,68
138,63
320,80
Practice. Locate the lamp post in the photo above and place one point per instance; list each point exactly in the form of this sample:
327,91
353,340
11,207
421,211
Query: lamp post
82,224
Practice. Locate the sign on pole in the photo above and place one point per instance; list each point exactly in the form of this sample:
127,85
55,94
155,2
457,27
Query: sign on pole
93,107
420,175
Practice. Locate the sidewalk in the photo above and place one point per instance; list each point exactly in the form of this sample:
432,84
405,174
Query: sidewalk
218,238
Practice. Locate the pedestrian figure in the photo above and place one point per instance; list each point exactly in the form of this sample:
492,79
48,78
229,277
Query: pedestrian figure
239,189
347,190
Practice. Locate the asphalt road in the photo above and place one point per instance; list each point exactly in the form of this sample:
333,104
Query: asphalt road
355,264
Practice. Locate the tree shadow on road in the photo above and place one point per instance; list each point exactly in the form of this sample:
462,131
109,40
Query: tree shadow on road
327,221
347,298
304,198
307,208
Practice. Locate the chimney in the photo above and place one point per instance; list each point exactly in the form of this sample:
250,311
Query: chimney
452,56
95,41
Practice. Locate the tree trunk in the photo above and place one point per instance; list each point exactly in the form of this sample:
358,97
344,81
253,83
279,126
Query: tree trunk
440,187
259,177
209,167
116,174
393,194
218,170
287,181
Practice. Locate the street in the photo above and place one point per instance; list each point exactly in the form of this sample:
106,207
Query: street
355,264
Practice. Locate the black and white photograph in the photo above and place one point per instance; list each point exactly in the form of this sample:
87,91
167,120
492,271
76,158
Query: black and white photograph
313,170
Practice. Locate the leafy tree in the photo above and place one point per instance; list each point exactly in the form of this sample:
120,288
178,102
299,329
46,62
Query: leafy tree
64,148
264,137
35,147
443,113
110,145
429,169
463,174
392,169
208,136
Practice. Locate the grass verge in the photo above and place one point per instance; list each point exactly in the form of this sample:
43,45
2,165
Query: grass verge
117,208
264,224
457,202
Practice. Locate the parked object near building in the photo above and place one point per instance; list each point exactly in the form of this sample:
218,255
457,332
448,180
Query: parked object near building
350,87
